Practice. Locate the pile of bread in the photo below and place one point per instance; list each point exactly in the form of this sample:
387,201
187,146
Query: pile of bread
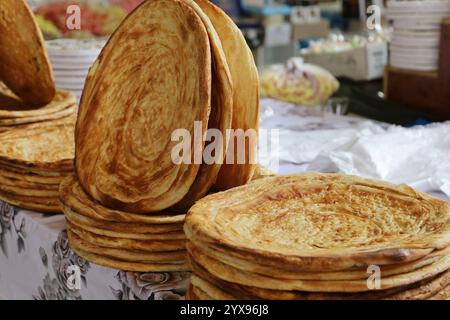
172,70
36,120
319,236
172,65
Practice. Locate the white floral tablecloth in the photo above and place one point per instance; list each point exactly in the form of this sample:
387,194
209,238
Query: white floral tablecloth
34,252
35,257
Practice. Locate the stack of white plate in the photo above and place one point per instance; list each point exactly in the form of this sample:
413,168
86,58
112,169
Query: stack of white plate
71,60
415,41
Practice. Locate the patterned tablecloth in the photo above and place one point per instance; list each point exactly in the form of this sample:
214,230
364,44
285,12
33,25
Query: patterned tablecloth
37,263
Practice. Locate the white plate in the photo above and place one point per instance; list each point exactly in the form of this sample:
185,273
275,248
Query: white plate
419,42
77,59
70,87
68,62
417,24
70,73
416,51
74,47
414,59
71,66
406,33
428,5
430,16
414,66
70,81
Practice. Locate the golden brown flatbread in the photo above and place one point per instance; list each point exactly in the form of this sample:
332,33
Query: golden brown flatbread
126,265
62,100
245,96
173,257
262,172
74,197
152,77
190,295
199,294
24,64
234,275
351,274
424,291
43,150
33,192
220,117
126,227
33,175
321,222
42,124
122,243
22,183
442,295
39,204
219,288
58,115
176,235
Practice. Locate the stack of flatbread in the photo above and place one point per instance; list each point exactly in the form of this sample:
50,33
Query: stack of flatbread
27,87
14,113
34,159
120,239
172,70
319,236
37,121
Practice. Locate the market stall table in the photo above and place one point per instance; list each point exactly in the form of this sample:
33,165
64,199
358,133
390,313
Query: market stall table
37,263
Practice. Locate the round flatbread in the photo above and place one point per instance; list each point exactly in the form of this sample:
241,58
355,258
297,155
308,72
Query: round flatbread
198,294
174,257
54,176
262,172
126,265
33,192
32,178
62,100
19,183
352,274
442,295
190,295
67,112
69,120
126,227
244,73
177,235
39,204
219,120
234,275
122,243
74,197
152,78
24,64
321,222
220,288
43,150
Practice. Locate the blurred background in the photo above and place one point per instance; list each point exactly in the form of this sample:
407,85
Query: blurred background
378,54
275,30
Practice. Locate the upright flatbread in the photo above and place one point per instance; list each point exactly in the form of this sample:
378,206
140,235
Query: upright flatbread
24,64
220,117
152,78
244,73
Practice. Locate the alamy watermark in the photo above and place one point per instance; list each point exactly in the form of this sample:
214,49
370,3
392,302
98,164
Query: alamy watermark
73,21
73,274
208,147
373,21
374,280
